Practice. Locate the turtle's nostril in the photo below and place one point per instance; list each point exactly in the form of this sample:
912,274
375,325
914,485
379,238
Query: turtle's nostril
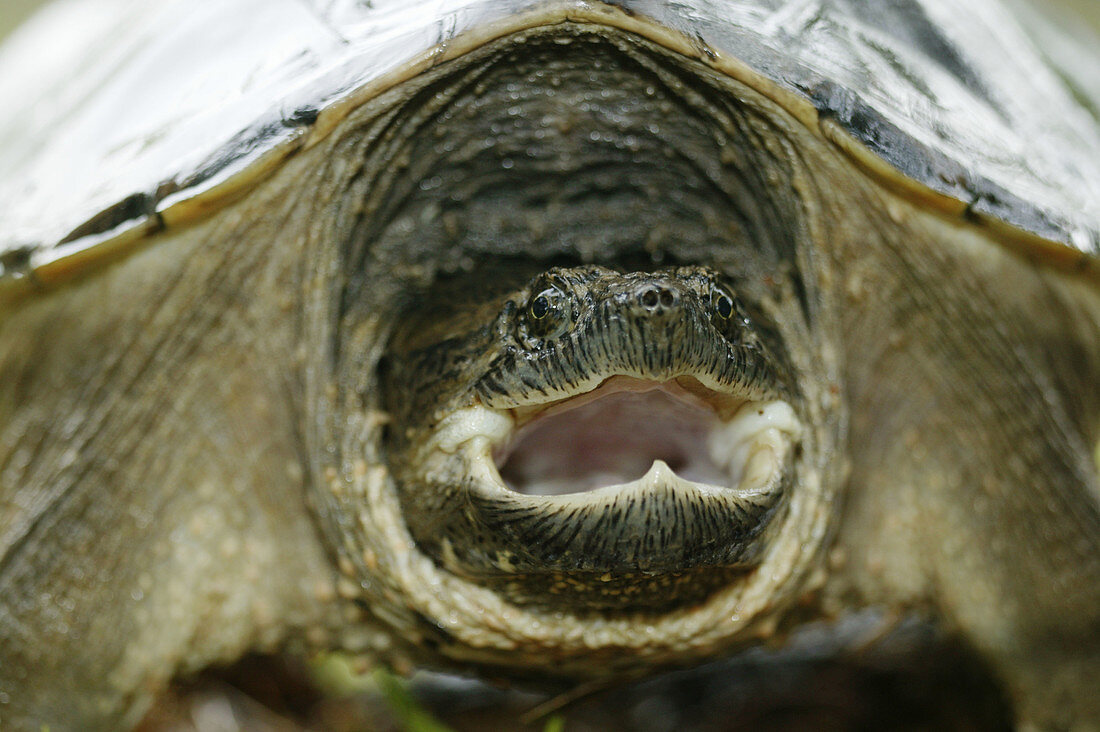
656,297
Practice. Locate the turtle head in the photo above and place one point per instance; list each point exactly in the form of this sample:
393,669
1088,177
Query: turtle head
576,407
570,329
595,438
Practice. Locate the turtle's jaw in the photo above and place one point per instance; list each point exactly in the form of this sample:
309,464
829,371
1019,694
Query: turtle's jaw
578,502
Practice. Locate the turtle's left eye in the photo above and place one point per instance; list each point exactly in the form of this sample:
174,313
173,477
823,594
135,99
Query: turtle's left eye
723,305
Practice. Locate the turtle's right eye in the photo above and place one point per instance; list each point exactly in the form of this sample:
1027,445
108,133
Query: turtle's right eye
547,315
540,307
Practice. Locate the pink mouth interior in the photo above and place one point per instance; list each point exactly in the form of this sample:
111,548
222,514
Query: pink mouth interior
611,436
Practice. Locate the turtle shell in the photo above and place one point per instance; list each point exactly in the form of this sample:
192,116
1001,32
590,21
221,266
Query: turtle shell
144,115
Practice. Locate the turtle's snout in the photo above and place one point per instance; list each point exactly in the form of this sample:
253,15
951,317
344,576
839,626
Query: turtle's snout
650,298
656,298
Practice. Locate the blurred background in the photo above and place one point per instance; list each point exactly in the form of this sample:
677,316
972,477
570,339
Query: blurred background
1071,33
13,12
1071,12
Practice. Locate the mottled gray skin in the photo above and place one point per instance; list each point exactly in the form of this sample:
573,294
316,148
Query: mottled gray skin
192,453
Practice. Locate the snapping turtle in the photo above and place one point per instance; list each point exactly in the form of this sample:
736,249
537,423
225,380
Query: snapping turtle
541,339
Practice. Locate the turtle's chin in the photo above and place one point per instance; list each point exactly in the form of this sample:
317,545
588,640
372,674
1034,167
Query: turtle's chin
635,494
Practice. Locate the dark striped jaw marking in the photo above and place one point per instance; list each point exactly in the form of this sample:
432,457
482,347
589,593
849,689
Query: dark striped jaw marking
610,441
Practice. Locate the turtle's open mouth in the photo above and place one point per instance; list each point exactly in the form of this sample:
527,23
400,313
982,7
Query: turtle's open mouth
628,428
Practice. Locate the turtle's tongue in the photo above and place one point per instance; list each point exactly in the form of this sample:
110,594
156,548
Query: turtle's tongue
611,437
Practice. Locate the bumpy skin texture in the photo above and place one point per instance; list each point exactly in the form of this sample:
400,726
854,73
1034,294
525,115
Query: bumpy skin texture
192,441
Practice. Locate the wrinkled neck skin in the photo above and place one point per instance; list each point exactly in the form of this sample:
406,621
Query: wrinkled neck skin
634,470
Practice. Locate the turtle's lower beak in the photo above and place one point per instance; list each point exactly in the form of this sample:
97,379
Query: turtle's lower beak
618,497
